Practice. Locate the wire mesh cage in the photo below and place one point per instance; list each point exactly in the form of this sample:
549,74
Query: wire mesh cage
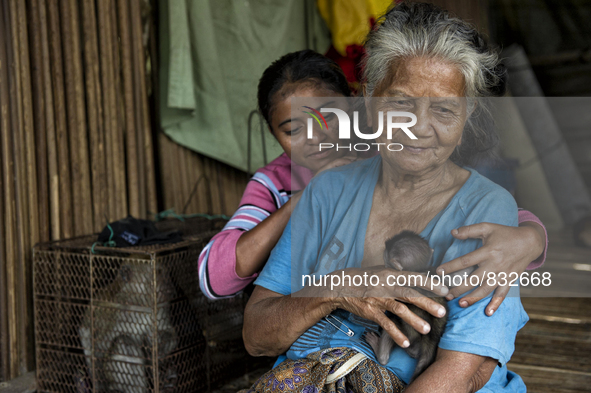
133,319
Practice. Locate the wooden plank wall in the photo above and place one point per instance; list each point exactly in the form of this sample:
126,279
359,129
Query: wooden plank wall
193,183
76,141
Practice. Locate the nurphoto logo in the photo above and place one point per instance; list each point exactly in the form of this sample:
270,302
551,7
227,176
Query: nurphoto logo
392,123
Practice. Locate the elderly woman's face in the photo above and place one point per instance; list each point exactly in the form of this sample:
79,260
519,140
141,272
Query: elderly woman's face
433,90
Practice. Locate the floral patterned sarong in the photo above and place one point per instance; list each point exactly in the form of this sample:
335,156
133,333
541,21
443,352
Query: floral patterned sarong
332,370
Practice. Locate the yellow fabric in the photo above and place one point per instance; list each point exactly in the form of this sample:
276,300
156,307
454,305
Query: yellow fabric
349,20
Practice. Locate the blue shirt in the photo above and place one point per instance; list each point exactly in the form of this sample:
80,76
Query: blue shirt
327,232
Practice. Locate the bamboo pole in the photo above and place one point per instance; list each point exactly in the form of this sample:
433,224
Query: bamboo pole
76,119
119,146
32,210
48,127
138,106
30,199
6,132
83,156
4,347
163,148
99,182
109,106
146,131
105,164
20,178
39,119
57,77
155,102
130,126
71,113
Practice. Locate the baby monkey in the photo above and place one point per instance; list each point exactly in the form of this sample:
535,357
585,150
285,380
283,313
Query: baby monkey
408,251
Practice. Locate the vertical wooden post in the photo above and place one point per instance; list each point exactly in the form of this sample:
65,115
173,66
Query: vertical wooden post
48,130
20,179
120,174
9,218
63,149
109,106
4,347
133,187
145,130
42,203
76,118
93,96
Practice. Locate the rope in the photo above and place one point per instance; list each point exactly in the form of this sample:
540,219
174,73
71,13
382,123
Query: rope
181,217
108,243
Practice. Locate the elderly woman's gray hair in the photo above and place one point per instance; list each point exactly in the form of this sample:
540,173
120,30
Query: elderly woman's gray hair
423,30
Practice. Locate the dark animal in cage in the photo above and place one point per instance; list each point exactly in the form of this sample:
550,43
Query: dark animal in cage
123,335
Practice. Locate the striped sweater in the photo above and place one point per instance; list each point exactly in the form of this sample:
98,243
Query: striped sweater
268,190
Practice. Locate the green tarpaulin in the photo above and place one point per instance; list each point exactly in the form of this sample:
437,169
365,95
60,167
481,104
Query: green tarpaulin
212,54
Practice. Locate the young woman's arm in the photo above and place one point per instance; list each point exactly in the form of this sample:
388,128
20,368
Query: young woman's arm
228,264
253,247
528,219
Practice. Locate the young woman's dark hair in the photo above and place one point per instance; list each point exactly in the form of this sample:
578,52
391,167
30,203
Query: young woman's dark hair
301,66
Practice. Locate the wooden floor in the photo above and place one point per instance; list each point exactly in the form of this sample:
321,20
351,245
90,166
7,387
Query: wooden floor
553,351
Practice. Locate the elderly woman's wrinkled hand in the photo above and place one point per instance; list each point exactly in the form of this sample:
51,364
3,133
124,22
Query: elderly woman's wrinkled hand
372,301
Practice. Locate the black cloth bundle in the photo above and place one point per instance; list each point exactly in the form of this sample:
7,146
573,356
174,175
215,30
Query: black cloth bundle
131,231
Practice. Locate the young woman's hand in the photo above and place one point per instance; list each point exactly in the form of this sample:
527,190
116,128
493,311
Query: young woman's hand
504,249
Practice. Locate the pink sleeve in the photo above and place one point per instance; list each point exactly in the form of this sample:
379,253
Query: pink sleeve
217,261
218,278
525,216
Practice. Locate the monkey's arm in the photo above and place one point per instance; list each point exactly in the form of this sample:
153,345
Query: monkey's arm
456,372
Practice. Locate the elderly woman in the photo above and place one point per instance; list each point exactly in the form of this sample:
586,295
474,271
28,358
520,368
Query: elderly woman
419,60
